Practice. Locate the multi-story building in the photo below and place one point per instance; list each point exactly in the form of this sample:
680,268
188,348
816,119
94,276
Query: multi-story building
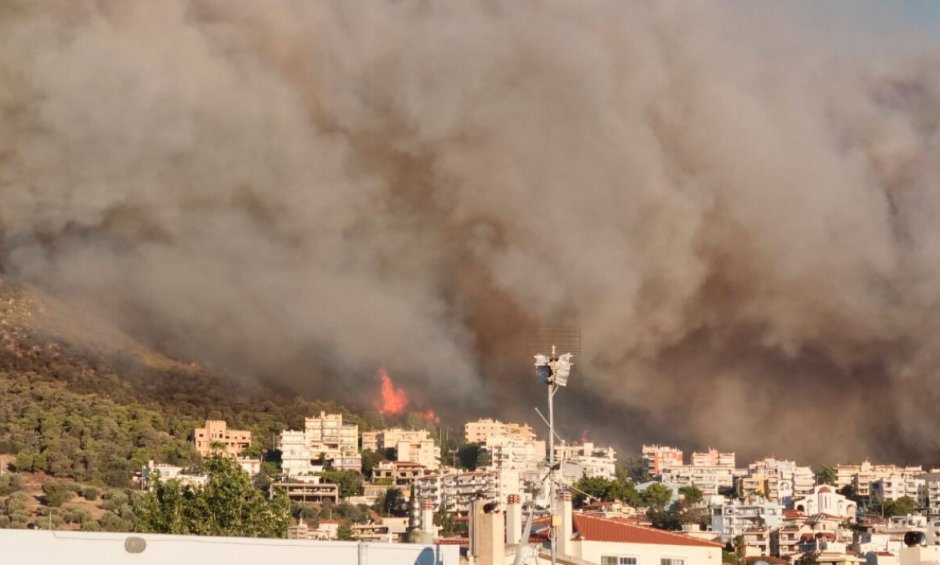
456,491
660,458
861,477
932,493
334,439
481,430
708,479
398,473
216,437
518,455
897,486
734,518
415,446
777,480
423,452
593,461
296,454
713,458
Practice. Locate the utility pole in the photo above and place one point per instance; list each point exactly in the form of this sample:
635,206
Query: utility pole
554,372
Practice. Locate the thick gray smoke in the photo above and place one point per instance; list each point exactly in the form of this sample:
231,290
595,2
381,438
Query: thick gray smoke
737,211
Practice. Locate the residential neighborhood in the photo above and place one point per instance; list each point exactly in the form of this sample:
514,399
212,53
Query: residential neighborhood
658,507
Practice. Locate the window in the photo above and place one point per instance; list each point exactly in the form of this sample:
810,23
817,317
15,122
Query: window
618,560
671,561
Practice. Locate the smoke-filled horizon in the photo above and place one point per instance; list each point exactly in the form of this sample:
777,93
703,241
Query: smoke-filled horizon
736,204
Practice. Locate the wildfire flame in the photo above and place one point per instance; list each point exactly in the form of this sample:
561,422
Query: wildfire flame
394,400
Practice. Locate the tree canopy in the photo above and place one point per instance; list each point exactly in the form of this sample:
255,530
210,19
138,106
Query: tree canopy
227,505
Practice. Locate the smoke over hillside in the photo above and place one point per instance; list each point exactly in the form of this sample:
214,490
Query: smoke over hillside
739,214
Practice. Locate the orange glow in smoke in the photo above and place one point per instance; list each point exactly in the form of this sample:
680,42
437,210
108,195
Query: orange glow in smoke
430,416
394,399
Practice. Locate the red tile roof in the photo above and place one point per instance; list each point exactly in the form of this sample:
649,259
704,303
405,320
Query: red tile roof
593,528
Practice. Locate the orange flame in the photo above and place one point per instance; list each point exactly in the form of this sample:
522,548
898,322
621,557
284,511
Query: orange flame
394,399
430,415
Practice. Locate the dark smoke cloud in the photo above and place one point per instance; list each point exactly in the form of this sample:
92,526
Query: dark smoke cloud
736,203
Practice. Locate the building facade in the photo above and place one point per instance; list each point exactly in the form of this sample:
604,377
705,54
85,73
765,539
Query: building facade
217,437
334,439
481,430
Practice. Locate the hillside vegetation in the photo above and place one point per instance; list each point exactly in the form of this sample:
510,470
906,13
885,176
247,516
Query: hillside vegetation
83,407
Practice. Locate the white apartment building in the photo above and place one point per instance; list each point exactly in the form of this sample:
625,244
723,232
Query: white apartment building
660,458
778,480
860,477
735,518
481,430
713,458
593,461
932,493
296,454
423,452
896,486
334,439
708,479
455,492
518,455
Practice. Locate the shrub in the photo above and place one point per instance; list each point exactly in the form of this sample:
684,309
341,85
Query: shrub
10,483
90,493
57,493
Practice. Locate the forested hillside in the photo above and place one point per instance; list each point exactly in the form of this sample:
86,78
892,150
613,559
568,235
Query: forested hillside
83,407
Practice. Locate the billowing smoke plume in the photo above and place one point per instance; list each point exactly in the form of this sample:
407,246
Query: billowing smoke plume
739,213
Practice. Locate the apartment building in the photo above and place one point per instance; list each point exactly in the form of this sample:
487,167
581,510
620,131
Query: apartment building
399,473
335,439
482,430
777,480
708,479
215,437
932,493
296,454
518,455
594,461
423,452
455,492
896,486
861,477
660,458
735,518
713,458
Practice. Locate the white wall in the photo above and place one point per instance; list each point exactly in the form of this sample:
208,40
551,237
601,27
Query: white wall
648,554
91,548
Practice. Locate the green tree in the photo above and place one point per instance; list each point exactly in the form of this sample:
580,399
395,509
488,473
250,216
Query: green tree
468,456
344,532
602,489
656,496
633,469
393,503
825,475
350,482
369,460
691,495
227,505
899,507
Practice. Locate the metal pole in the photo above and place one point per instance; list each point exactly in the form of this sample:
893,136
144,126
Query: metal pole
551,467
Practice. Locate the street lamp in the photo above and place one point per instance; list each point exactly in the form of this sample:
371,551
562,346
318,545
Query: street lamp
554,372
